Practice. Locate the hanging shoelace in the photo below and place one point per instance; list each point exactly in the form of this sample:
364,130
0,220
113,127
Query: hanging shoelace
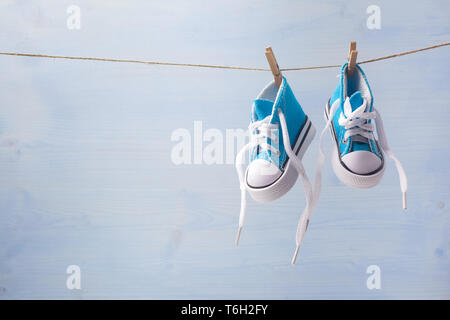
356,124
306,214
385,146
260,131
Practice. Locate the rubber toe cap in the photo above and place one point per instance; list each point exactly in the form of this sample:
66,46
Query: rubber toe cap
361,162
262,173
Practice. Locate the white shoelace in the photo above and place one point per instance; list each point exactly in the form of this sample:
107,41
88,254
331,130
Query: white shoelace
263,131
259,132
355,123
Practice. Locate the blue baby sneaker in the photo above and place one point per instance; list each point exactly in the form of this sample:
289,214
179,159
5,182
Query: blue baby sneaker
357,156
280,133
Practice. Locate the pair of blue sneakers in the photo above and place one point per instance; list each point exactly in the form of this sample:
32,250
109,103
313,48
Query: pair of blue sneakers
281,132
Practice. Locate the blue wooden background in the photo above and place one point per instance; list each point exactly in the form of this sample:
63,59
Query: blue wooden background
86,176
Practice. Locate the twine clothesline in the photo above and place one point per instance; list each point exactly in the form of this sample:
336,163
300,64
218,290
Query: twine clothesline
36,55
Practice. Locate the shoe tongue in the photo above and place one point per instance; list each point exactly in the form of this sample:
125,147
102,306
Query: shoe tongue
261,109
356,100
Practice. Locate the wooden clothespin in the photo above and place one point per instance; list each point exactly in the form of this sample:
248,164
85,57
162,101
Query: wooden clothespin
352,55
274,66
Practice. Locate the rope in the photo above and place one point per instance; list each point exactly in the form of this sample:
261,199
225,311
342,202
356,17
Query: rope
373,60
35,55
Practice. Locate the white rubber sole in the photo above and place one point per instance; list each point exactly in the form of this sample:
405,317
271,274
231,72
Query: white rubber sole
289,176
347,177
